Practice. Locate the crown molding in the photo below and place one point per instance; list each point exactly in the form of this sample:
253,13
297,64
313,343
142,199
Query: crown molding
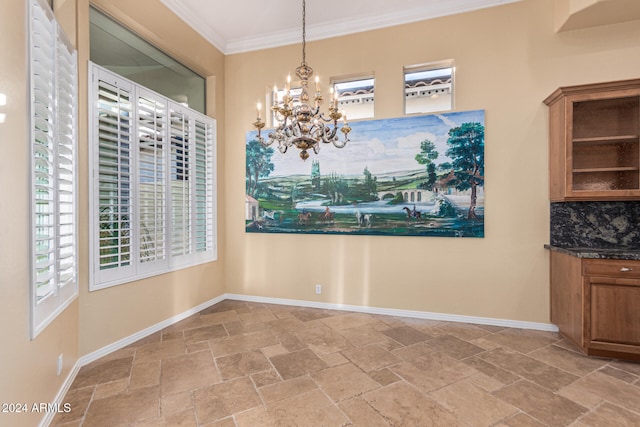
339,27
195,21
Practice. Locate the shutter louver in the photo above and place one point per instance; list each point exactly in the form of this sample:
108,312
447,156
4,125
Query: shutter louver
152,118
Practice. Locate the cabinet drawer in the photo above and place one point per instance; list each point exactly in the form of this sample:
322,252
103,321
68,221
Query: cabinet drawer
612,267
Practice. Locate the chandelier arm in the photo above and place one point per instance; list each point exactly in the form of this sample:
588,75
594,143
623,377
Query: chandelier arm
273,137
288,131
265,142
327,119
329,134
340,144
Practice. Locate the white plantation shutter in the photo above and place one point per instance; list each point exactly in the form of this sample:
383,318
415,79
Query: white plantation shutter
66,115
152,124
113,130
192,185
154,186
204,186
53,71
180,180
44,151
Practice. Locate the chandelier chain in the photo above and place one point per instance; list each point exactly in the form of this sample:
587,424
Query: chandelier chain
304,32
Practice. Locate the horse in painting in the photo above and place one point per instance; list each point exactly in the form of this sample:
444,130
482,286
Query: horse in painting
364,220
412,213
303,218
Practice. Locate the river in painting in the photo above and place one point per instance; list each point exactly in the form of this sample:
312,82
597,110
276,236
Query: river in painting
374,218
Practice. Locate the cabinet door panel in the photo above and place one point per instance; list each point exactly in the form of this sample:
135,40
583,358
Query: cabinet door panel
615,316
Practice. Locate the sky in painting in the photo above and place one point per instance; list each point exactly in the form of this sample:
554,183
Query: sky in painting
382,146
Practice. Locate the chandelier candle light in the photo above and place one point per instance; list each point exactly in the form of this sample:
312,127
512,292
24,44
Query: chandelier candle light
301,124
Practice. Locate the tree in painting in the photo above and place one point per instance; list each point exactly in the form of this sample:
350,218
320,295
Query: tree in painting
335,187
258,165
426,156
466,150
315,175
370,185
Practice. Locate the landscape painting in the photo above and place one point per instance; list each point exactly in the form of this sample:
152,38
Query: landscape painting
410,176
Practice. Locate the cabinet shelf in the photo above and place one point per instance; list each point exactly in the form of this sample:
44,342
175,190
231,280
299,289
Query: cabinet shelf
601,140
616,169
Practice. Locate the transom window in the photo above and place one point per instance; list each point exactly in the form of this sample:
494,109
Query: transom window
428,88
118,49
356,97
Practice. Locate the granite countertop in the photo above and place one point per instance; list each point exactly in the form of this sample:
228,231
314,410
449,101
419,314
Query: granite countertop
601,253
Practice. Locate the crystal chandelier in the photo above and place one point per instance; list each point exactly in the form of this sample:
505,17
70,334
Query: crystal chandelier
301,124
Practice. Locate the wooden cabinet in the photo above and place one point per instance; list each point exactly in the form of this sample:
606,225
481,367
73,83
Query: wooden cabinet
596,304
594,144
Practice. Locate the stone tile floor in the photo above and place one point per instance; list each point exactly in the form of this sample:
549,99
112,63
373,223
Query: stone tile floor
248,364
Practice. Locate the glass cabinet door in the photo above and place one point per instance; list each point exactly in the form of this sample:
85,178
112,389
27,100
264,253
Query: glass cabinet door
605,145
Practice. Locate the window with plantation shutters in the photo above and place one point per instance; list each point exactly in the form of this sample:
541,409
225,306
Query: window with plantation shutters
153,186
53,74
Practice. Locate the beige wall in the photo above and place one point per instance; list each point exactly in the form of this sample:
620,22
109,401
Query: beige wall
95,319
27,368
114,313
508,59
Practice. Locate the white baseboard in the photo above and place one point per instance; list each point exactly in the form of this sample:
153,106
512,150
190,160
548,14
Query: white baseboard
400,313
86,359
146,332
49,415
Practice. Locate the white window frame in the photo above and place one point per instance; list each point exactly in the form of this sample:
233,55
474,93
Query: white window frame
436,89
183,236
356,104
53,71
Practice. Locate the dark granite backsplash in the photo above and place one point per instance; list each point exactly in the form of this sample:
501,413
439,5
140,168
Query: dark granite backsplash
606,225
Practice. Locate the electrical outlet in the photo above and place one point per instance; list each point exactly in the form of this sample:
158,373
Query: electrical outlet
318,289
59,365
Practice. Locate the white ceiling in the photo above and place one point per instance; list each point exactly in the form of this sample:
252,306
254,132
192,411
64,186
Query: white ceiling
246,25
